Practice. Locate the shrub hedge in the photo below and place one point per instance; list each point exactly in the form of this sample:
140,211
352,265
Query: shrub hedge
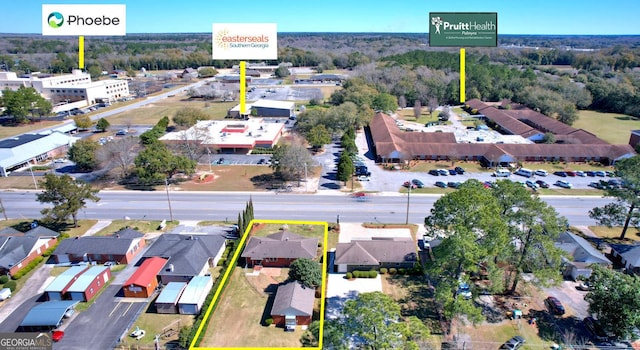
30,266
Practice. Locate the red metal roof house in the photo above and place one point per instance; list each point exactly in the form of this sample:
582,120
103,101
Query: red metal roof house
144,281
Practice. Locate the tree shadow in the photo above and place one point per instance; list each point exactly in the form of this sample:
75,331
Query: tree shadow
550,327
419,300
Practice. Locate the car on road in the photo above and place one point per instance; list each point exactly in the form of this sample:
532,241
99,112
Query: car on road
563,184
542,184
459,170
408,184
554,305
441,184
363,178
560,173
418,183
540,172
513,343
595,328
57,336
434,172
121,132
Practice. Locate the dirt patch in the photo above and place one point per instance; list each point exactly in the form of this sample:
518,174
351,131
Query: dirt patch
204,178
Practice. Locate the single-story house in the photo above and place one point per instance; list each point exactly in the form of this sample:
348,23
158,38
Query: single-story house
167,302
20,151
627,255
121,247
582,254
293,305
144,281
18,249
57,289
376,253
187,255
89,283
279,249
194,295
46,316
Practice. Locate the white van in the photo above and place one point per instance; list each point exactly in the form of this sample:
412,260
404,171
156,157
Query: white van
524,172
5,294
501,173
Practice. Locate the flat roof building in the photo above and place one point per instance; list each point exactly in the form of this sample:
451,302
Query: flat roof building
194,295
18,151
46,316
167,302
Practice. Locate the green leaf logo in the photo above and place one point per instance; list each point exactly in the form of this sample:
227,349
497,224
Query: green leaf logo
55,20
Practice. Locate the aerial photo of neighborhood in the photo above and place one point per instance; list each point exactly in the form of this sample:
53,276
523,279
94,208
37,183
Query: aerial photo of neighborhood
336,175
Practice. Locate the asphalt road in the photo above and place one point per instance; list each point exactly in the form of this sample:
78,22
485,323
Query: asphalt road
284,206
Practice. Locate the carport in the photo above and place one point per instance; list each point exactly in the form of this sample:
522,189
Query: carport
46,316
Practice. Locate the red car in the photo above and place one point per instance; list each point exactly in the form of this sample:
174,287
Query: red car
57,335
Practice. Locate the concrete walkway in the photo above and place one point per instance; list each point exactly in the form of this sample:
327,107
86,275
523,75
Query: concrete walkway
587,231
97,227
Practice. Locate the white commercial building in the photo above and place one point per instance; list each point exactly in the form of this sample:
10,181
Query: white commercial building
19,151
68,88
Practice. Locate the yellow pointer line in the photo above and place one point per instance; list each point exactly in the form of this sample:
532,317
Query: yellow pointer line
243,88
81,52
462,76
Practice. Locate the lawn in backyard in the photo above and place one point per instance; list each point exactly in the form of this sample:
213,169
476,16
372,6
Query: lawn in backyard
166,325
239,318
138,225
612,234
313,231
611,127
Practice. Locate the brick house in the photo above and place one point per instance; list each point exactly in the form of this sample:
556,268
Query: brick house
18,249
293,305
376,253
279,249
121,247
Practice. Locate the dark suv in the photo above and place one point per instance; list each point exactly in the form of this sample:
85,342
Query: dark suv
513,343
554,305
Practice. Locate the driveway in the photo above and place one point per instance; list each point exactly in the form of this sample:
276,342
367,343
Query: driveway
339,290
21,302
571,298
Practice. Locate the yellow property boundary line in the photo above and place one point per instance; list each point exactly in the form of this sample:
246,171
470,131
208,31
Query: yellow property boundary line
232,265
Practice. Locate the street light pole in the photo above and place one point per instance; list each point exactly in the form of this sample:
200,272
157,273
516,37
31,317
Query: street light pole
35,183
209,152
166,186
406,222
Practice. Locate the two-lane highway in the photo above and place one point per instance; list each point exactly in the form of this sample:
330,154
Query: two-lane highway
284,206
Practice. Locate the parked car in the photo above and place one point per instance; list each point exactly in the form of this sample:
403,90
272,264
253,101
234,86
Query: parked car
418,183
220,161
590,173
513,343
580,173
434,172
595,328
262,161
554,305
597,185
459,170
560,173
541,172
453,172
69,313
600,173
57,336
563,184
531,184
487,184
443,172
571,173
610,173
584,286
464,290
542,184
121,132
454,184
363,178
441,184
5,293
138,333
408,184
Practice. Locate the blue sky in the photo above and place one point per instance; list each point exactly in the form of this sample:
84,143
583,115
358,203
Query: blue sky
400,16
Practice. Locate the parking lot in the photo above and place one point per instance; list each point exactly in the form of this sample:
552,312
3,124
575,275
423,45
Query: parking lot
241,159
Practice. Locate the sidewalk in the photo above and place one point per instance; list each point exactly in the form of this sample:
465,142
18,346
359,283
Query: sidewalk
97,227
587,231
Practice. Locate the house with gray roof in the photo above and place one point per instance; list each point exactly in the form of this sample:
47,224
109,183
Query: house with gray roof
293,305
188,255
627,255
279,249
121,247
581,255
376,253
17,152
18,249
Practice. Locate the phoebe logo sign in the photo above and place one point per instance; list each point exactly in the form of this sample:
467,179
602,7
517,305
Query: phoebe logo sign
244,41
84,20
463,29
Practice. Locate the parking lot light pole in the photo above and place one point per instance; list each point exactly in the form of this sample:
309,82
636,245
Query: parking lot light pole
406,221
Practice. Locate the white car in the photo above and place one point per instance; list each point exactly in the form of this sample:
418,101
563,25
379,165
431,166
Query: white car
541,172
138,333
563,184
363,178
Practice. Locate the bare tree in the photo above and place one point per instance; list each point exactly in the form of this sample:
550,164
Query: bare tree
119,153
128,122
417,109
194,142
402,101
433,104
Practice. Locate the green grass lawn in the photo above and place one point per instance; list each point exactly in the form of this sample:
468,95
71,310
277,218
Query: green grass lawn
611,127
612,234
139,225
151,113
8,131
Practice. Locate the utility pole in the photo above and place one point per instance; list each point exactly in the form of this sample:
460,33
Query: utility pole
35,183
406,222
5,213
166,186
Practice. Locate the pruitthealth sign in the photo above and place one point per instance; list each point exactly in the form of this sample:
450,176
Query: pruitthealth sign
463,29
89,20
245,41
